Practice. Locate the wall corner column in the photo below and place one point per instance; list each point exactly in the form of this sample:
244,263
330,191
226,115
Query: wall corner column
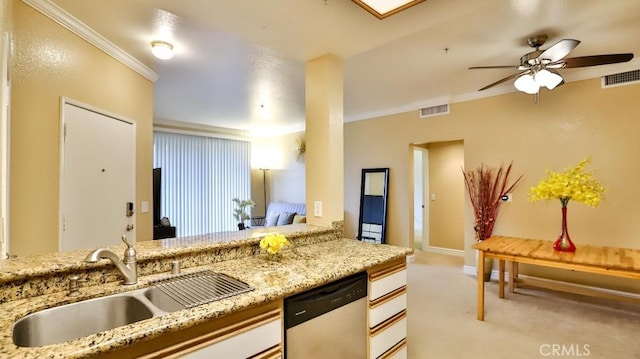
324,136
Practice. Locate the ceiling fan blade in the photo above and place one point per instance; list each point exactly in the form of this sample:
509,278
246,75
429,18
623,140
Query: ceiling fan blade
596,60
515,67
559,50
504,79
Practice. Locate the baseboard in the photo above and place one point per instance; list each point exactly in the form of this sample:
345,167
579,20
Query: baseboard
556,284
582,289
495,274
446,251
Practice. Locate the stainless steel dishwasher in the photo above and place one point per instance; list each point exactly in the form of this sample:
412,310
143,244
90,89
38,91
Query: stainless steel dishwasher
329,321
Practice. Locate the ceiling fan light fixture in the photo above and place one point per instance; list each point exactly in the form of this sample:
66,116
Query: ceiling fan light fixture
548,79
162,50
526,83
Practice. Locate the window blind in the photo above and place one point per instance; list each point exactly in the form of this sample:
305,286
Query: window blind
200,177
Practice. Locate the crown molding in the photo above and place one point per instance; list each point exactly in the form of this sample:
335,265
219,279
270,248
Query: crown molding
57,14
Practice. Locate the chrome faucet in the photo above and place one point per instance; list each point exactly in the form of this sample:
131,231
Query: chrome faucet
126,266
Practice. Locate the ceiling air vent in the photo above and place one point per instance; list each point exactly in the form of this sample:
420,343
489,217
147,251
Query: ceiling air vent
623,78
434,110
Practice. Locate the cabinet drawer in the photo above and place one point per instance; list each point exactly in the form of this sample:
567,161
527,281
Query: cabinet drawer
388,283
273,353
387,308
388,336
243,345
398,352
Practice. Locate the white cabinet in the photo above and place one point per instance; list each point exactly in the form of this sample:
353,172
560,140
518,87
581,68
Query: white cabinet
240,344
387,309
384,284
253,333
387,314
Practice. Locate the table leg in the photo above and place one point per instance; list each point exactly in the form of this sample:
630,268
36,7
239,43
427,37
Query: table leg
480,276
512,275
501,279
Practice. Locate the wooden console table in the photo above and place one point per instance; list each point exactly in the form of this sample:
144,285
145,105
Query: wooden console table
619,262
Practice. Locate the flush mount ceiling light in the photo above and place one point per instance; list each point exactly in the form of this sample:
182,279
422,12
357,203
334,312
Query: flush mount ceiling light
385,8
162,50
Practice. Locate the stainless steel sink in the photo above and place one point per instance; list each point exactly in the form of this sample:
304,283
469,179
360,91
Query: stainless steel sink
76,320
162,300
71,321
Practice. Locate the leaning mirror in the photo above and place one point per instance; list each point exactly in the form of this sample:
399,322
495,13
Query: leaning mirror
373,205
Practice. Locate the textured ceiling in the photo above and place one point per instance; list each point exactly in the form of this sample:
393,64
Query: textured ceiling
240,64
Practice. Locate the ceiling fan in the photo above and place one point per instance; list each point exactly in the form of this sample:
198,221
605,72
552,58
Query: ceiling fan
538,68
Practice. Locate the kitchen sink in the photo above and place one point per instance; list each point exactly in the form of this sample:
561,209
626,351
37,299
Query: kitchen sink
71,321
162,300
76,320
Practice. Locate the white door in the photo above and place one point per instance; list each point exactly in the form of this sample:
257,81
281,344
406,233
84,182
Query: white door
420,201
97,178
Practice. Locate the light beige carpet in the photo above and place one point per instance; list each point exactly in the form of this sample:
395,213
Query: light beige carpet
528,324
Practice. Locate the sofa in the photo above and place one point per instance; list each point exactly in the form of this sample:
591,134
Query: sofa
283,213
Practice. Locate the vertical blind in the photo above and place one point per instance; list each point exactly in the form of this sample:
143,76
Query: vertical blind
200,177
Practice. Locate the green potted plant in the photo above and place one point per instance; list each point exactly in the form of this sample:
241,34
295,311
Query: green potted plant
239,212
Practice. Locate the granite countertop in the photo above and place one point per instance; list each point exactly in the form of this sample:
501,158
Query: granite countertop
300,268
45,264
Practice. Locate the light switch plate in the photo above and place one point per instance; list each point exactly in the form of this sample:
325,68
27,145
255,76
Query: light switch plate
317,208
144,206
507,197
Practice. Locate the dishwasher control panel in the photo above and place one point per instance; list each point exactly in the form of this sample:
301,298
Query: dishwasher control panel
347,297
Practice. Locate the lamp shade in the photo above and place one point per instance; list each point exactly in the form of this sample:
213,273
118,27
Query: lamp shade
526,83
162,50
267,154
548,79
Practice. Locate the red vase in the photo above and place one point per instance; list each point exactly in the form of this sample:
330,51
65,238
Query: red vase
563,243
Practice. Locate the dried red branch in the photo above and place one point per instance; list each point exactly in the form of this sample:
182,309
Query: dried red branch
485,187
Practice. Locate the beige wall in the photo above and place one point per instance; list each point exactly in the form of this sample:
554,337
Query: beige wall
5,28
49,62
325,136
570,123
446,219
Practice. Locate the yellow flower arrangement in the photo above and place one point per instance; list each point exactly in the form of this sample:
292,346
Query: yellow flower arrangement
573,184
273,242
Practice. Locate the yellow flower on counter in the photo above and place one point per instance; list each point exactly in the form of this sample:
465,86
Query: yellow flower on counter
573,184
273,242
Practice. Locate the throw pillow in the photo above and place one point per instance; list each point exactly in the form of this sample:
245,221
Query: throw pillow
285,218
271,220
299,219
